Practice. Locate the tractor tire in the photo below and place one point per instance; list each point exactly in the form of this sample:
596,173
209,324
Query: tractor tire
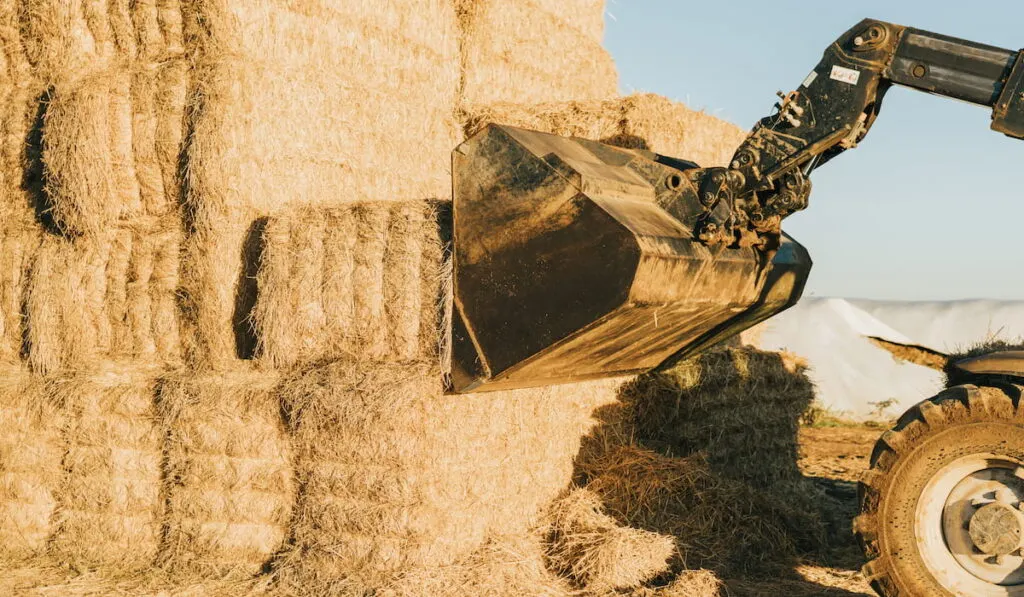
941,503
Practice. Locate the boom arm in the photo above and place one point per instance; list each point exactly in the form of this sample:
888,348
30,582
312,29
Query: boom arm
834,109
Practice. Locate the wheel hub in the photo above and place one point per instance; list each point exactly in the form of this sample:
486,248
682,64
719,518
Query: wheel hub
970,526
995,529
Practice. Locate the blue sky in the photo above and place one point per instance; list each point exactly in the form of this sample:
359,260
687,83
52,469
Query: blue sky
930,206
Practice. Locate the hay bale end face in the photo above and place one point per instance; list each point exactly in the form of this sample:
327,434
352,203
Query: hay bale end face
228,475
31,453
105,297
109,506
365,280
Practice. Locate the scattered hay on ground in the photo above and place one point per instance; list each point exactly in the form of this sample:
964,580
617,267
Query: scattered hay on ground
718,523
591,548
109,501
49,580
639,121
503,565
363,279
689,583
706,451
31,450
229,480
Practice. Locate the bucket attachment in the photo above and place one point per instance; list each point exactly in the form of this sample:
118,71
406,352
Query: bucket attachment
576,260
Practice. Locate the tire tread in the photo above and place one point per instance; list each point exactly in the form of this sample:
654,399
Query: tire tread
951,407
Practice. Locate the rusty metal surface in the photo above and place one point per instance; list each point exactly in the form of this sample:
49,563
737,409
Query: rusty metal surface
1009,363
576,260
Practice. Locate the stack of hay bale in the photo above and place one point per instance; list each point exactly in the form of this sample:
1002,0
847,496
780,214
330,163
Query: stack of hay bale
224,289
706,451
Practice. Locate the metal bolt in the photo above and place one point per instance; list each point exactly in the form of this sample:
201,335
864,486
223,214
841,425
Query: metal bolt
858,41
735,165
920,71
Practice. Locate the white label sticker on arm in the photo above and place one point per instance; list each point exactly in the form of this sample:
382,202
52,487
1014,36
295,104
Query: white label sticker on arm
811,78
846,75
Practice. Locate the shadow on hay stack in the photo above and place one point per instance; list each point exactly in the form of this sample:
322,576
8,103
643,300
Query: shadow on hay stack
706,451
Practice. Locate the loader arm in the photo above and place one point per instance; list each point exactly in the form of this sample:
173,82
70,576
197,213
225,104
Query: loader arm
833,110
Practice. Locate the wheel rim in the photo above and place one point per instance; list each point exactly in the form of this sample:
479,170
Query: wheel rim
970,528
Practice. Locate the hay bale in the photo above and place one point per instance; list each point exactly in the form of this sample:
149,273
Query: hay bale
363,279
109,505
111,296
639,121
17,249
394,476
586,16
19,90
230,488
526,52
269,129
67,40
31,450
110,147
718,523
596,552
105,67
158,108
740,407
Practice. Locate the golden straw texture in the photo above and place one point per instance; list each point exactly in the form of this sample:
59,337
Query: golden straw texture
18,245
358,280
638,121
111,296
529,51
319,103
113,119
394,476
31,451
591,548
109,505
230,487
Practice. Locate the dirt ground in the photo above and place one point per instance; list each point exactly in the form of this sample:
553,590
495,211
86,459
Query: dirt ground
834,457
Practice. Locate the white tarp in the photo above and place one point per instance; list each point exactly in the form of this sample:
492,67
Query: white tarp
853,376
949,326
